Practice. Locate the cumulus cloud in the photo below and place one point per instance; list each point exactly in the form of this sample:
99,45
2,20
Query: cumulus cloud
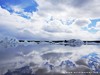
98,25
12,19
72,8
37,26
82,22
14,25
56,26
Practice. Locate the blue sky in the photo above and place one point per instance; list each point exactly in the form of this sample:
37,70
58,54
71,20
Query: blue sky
26,5
33,18
48,20
92,24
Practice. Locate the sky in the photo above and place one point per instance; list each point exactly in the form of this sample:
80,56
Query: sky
50,19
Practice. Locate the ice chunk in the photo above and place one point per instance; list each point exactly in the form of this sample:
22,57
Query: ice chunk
75,42
7,42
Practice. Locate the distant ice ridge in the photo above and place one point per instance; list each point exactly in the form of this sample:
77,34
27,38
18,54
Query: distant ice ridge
7,42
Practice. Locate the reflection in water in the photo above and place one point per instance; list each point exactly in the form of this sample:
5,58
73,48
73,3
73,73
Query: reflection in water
49,58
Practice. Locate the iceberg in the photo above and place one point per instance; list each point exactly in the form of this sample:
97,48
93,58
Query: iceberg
7,42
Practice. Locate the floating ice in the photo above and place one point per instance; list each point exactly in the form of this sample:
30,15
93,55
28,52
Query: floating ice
7,42
75,42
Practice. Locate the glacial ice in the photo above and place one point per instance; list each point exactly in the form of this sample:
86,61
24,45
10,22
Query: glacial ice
7,42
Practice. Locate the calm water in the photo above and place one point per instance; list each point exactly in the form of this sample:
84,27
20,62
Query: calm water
15,58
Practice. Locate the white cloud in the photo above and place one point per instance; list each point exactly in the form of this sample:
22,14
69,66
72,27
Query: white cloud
69,8
97,35
98,26
16,8
56,26
12,19
15,25
82,22
38,28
